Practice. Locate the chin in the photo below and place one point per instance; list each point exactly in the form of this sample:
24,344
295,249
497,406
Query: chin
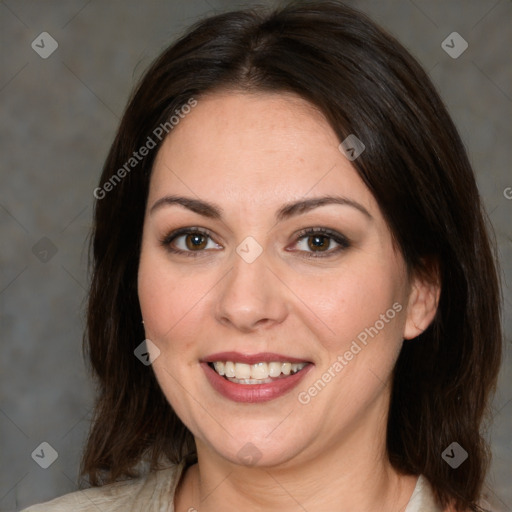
261,451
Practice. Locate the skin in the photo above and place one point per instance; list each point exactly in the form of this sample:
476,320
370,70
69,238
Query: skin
250,154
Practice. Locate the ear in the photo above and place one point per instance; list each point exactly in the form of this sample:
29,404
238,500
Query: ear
422,304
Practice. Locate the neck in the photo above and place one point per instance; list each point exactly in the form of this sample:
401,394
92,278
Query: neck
353,474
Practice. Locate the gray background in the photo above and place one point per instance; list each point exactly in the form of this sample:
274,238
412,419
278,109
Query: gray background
59,116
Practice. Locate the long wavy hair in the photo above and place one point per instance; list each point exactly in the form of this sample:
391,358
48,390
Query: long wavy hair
415,164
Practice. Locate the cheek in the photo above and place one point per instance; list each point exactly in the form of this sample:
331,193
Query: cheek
171,301
352,301
162,300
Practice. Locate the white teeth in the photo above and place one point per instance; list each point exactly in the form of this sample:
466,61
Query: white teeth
219,368
259,371
242,371
251,381
274,369
255,373
229,369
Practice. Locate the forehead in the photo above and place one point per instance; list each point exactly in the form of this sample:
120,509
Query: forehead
263,148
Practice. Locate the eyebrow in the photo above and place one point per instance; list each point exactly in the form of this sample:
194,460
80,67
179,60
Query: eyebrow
215,212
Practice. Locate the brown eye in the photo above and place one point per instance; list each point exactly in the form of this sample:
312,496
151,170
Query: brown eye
189,242
321,242
318,243
195,241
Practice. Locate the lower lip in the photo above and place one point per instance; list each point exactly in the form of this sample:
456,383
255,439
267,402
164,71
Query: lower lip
252,393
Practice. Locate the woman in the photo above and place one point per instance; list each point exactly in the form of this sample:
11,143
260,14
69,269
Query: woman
288,218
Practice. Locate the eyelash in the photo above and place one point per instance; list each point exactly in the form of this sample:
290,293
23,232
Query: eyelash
341,240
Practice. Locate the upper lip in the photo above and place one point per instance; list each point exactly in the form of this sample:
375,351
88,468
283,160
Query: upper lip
238,357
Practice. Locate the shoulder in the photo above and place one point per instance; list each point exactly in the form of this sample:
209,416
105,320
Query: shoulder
147,493
423,500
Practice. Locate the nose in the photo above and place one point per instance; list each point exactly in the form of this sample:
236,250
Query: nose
251,296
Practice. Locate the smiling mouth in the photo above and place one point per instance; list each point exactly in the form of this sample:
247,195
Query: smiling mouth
259,373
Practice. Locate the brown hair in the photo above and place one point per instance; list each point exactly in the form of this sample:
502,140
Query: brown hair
415,165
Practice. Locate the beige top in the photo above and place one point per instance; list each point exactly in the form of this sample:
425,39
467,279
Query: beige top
155,493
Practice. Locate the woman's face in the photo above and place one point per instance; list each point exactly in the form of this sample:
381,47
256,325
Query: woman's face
248,286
